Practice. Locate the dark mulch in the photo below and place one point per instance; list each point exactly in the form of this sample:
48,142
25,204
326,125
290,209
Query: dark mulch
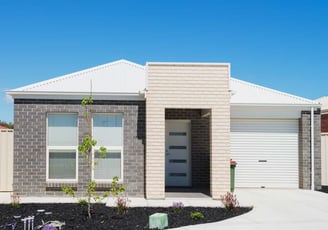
103,217
324,189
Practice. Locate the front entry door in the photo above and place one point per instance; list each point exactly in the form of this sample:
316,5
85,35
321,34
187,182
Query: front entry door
177,153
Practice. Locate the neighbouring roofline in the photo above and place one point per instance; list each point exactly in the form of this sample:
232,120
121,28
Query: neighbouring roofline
324,103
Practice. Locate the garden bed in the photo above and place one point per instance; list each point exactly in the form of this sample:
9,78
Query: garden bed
324,189
104,217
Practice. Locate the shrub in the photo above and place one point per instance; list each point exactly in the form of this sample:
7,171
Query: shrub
83,202
230,201
121,205
196,215
177,206
15,200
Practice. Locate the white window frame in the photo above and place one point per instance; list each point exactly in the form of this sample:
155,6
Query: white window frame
108,149
62,148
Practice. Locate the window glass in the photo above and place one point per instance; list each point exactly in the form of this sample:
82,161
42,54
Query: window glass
62,129
107,167
62,165
107,129
62,146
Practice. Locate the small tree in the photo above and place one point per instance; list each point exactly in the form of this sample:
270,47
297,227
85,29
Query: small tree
85,149
9,125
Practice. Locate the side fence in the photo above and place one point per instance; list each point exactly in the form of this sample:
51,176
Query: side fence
6,159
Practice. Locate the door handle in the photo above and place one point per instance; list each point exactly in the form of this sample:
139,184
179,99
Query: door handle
263,161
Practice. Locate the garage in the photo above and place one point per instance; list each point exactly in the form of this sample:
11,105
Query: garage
266,151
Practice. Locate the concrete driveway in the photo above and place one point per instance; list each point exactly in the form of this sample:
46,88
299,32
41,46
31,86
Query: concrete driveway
278,210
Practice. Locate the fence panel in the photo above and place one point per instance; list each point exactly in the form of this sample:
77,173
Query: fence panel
6,159
324,159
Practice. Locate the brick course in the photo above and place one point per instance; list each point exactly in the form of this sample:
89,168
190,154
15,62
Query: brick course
30,144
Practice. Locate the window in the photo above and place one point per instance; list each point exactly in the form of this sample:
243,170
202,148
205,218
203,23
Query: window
108,132
62,137
109,166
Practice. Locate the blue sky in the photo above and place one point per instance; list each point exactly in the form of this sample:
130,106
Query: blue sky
278,44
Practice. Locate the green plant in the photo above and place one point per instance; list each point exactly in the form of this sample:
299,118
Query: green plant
15,200
85,149
68,190
230,201
116,188
177,206
9,125
83,202
196,215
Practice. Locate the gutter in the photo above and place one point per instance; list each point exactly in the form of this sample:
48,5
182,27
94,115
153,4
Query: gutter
75,95
314,105
13,93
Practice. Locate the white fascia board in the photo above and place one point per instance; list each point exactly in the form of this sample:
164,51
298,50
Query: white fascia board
76,95
277,105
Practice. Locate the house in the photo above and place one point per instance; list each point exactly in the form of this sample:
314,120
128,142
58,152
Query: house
324,139
164,125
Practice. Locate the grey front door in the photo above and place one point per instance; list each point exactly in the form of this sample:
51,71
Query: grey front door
177,153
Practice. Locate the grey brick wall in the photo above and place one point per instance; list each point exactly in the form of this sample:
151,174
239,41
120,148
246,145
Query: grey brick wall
30,144
200,152
305,150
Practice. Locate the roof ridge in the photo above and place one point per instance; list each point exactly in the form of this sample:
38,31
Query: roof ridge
273,91
79,73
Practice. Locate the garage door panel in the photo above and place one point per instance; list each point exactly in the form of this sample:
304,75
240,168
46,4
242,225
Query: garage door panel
266,152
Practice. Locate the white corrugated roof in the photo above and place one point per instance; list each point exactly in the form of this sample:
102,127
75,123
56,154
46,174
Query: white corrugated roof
324,102
127,78
247,93
121,77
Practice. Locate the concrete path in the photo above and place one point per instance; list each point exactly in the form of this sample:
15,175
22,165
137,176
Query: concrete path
276,210
188,199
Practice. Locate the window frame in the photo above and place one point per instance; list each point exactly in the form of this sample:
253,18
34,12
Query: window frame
62,148
109,149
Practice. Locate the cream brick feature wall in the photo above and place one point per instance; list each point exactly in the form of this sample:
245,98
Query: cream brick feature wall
187,86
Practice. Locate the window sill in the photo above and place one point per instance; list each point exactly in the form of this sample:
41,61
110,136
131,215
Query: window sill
107,181
56,186
102,186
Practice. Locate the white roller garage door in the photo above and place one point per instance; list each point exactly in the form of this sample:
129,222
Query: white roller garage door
266,152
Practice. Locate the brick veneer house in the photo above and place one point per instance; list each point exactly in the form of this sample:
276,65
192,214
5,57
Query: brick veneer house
324,139
164,125
324,123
